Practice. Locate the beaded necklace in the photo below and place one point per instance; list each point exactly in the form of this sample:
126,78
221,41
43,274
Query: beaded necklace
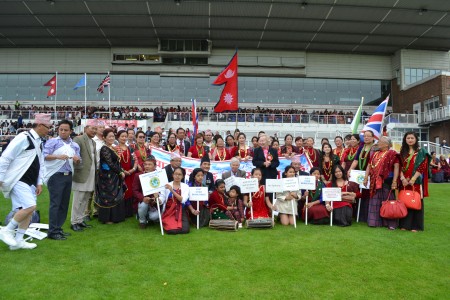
243,152
122,154
224,154
115,151
327,170
142,153
172,149
362,159
314,195
351,154
199,151
407,161
312,155
377,159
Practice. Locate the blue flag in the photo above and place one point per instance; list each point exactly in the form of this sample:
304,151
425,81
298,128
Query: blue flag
81,83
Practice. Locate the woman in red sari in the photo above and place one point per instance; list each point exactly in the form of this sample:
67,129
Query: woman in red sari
383,169
445,167
141,151
350,153
174,218
198,150
129,166
339,150
343,210
243,152
414,175
329,160
260,202
220,153
288,150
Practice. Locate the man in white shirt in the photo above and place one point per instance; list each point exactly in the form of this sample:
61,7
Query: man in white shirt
21,178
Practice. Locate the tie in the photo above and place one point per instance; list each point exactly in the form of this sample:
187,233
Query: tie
181,147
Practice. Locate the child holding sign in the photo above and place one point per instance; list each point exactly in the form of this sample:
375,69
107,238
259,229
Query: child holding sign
260,202
283,204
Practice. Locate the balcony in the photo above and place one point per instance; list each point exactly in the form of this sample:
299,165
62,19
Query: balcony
436,115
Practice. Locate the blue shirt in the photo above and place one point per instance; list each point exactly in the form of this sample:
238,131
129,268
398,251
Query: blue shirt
54,144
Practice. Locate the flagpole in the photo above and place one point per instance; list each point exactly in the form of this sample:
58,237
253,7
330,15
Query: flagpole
109,99
56,93
85,95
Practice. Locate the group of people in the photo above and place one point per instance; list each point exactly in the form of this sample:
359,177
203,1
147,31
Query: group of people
102,168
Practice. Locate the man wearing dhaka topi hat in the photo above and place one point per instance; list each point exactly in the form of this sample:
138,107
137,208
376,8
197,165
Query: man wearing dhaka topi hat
21,176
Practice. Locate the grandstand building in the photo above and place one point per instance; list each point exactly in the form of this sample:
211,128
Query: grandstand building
311,55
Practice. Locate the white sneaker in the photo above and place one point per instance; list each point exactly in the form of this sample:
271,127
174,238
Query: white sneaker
7,236
23,245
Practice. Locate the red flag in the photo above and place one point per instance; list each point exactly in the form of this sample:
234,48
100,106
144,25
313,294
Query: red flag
52,84
229,76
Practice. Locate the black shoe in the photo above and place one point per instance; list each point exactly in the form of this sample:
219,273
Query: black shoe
84,225
76,227
87,219
63,233
57,236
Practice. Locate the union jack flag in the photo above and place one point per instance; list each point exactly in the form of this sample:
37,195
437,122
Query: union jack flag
105,83
375,122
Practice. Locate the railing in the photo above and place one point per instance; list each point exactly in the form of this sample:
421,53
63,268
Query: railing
265,118
435,115
29,114
433,147
401,118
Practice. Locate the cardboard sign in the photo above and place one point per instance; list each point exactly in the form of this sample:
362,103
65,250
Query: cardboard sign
274,186
39,226
331,194
198,193
307,182
358,177
36,234
153,182
249,185
290,184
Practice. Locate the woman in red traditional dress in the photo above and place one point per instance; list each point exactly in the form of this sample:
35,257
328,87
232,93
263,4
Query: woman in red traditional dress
414,175
243,152
288,150
329,160
174,218
198,150
129,166
343,210
141,151
350,153
260,202
339,150
171,145
313,154
276,145
299,145
383,169
445,167
220,153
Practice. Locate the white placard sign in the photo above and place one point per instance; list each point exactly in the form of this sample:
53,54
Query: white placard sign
274,186
358,177
331,194
232,180
249,185
290,184
153,182
36,234
198,193
307,182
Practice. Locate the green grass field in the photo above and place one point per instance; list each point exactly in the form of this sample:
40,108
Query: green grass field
121,261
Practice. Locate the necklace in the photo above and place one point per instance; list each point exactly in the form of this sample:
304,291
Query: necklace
363,157
377,158
223,156
407,161
142,153
312,155
123,155
199,151
115,151
351,154
172,149
242,152
327,170
317,192
339,154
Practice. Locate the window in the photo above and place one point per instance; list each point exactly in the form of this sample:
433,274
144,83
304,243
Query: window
413,75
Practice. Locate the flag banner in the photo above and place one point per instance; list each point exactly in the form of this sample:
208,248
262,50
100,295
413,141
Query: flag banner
105,83
375,122
120,124
194,117
229,97
218,167
52,84
357,119
81,83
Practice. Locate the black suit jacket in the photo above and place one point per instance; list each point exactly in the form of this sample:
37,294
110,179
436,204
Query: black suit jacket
270,172
187,145
169,173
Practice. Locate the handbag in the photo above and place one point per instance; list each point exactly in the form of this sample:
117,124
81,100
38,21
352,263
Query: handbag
410,198
393,209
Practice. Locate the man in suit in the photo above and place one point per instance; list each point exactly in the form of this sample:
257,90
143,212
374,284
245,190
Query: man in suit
182,143
83,180
175,162
208,178
235,164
